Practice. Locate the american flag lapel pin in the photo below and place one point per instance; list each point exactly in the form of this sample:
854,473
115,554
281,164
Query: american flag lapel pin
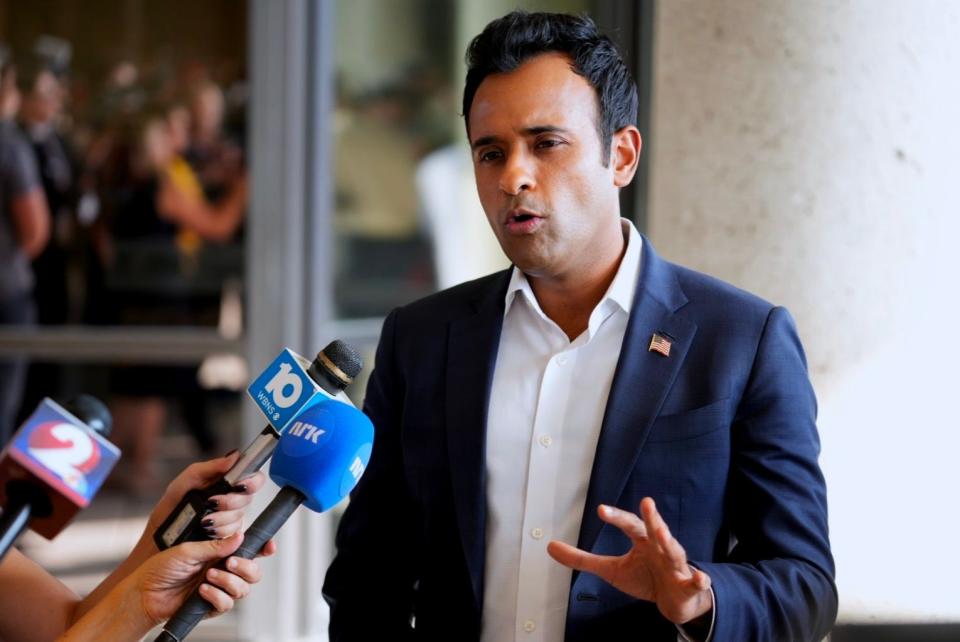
660,344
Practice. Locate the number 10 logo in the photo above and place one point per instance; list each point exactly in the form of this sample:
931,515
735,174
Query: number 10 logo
281,382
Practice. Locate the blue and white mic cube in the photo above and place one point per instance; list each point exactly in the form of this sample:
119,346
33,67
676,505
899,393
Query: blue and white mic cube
284,389
324,453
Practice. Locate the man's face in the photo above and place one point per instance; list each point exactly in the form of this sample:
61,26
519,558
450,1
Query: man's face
538,163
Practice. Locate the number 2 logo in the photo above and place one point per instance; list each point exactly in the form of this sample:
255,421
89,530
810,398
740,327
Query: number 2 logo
66,450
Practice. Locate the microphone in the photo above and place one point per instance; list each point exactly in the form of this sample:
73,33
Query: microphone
318,461
53,467
288,386
92,412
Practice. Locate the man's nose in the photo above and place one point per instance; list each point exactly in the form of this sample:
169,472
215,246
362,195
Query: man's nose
518,175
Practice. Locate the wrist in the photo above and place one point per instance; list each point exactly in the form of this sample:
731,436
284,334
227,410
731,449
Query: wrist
700,625
119,615
144,549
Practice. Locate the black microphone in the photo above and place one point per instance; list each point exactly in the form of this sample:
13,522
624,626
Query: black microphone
91,411
53,467
288,385
318,462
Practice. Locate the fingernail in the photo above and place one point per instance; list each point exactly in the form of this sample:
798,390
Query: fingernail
239,488
208,522
212,532
231,452
232,563
213,504
212,573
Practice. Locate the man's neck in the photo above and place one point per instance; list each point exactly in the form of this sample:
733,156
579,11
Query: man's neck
570,299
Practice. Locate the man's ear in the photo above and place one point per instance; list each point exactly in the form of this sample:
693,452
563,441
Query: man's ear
625,154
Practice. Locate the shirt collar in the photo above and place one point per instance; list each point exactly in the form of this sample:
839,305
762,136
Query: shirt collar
621,290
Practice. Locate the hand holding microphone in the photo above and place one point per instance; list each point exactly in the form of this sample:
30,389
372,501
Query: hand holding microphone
289,385
154,590
52,469
318,461
223,512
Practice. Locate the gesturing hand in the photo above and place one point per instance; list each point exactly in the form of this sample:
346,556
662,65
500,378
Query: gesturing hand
654,569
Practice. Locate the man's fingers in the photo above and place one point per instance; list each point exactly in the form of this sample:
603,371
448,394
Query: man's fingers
578,560
626,521
666,542
648,511
701,581
669,546
655,524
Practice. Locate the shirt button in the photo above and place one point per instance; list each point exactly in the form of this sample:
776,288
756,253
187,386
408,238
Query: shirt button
545,441
562,359
529,626
536,533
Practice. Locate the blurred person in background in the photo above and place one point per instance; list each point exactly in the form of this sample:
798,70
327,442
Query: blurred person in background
39,117
149,271
217,160
24,232
40,113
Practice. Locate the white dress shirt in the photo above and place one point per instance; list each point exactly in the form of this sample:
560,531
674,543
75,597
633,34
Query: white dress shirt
546,405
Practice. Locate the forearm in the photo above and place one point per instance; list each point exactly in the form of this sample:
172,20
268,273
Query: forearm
228,214
118,616
752,603
144,549
38,606
32,220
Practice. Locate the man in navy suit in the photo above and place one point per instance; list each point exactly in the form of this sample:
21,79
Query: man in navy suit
595,444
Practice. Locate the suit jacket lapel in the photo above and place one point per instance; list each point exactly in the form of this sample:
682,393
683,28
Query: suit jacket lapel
471,357
640,385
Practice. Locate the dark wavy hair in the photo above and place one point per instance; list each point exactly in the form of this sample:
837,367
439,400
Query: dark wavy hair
508,42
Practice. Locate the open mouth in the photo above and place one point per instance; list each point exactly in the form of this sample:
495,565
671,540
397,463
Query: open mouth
521,222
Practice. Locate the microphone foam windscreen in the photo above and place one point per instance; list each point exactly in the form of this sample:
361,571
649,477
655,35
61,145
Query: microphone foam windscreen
345,357
323,453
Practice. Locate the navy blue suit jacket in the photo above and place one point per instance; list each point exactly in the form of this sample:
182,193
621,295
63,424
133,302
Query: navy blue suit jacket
721,434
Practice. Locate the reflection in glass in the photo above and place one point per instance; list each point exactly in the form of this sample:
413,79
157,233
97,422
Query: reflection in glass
408,220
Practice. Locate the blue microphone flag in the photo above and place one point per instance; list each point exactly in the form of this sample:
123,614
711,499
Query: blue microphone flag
323,453
284,389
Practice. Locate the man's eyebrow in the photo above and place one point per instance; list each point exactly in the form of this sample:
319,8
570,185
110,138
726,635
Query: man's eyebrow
544,129
526,131
483,140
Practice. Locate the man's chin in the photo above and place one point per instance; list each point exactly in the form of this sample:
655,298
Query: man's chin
532,270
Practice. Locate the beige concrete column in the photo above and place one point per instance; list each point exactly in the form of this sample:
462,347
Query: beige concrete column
806,151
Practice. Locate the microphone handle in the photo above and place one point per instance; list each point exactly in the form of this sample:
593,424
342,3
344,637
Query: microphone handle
263,528
13,521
